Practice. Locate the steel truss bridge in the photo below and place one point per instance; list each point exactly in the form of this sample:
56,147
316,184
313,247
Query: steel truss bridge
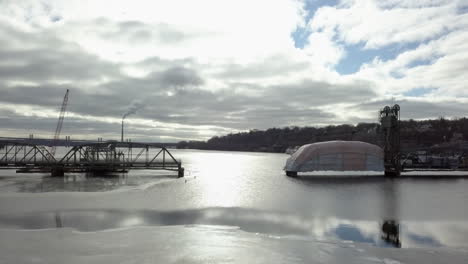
102,157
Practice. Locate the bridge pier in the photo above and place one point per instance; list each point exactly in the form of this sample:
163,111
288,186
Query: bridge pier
57,172
291,173
392,173
180,172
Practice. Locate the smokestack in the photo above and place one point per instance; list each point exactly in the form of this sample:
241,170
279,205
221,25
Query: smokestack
121,139
132,109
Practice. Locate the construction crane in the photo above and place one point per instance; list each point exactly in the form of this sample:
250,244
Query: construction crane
59,124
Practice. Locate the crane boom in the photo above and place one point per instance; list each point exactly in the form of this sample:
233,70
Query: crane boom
59,124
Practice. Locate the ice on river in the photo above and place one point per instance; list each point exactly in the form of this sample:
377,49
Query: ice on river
198,244
231,207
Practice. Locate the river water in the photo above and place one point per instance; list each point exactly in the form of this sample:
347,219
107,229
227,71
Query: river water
249,191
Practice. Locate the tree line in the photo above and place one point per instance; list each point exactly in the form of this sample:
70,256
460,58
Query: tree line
413,134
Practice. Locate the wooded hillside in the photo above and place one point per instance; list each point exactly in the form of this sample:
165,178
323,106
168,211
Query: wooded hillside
414,134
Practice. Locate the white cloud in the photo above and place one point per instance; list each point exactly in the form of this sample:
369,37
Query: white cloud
322,50
215,65
208,29
439,64
438,29
364,21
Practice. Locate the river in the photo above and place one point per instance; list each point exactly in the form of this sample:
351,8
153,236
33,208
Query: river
249,191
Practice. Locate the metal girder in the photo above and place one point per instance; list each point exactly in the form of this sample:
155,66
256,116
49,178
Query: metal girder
103,156
12,153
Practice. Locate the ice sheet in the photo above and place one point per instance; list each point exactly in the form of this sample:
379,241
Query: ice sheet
198,244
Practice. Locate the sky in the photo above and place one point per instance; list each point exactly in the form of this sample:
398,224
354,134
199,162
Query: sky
190,70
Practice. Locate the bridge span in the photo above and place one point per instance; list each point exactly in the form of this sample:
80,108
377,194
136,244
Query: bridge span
92,157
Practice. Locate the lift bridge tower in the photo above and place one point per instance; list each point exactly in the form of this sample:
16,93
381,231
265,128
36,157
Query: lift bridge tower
389,118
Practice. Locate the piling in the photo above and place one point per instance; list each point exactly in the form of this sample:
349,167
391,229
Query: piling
181,172
57,172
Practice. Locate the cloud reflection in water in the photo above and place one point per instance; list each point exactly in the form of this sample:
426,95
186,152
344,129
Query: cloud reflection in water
411,233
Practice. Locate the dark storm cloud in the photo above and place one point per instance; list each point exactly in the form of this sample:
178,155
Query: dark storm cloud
27,123
33,95
41,65
20,125
179,77
275,106
42,57
190,107
51,96
197,107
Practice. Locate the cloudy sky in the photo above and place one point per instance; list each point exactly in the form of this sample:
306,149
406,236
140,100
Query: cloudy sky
194,69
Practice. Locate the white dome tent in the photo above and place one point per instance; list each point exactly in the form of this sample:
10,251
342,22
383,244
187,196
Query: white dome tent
336,156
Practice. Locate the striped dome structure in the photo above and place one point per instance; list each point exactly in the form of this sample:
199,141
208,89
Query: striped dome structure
336,156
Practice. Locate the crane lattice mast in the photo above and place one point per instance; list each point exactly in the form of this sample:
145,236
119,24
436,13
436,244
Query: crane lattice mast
59,124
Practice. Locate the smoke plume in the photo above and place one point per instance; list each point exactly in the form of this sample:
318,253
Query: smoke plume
133,108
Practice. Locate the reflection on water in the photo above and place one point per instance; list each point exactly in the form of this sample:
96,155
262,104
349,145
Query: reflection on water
314,180
391,232
386,233
58,220
248,190
73,183
81,182
390,229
